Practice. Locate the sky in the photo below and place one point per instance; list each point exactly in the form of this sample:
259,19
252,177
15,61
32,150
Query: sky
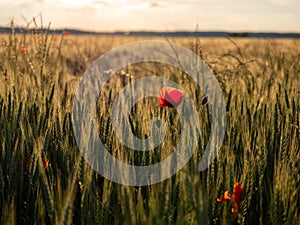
160,15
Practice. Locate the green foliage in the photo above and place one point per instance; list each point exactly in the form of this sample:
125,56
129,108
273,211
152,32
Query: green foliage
261,149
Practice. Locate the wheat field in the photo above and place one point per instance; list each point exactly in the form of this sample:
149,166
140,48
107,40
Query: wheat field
45,180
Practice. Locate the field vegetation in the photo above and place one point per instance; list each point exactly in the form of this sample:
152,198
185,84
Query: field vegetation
45,180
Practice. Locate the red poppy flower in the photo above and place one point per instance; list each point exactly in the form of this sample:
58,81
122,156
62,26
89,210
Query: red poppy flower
46,164
170,97
22,50
235,199
66,33
225,197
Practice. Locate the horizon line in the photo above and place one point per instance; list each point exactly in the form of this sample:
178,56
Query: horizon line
179,33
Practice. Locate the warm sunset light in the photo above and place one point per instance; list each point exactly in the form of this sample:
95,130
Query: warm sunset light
162,15
149,112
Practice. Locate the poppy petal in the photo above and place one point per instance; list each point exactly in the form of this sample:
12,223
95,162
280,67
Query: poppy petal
46,163
170,97
163,102
237,194
235,200
176,96
225,197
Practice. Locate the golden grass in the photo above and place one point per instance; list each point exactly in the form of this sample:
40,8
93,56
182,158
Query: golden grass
260,82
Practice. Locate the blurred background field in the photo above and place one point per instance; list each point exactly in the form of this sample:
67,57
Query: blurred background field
44,179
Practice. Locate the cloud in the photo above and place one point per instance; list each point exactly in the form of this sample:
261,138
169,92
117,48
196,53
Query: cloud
101,3
154,5
277,15
148,5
